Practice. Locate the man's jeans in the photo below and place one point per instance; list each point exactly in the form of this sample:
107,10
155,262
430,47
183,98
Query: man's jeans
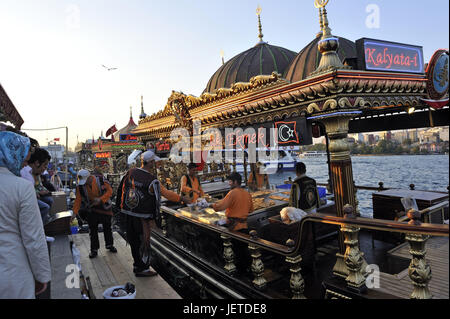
45,203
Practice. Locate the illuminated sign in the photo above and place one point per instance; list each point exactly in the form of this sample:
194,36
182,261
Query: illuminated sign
162,147
103,155
377,55
127,137
438,75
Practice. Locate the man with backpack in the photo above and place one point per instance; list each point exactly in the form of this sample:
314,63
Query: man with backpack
93,203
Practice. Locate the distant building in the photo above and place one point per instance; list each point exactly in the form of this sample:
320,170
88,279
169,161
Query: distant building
371,139
443,134
56,151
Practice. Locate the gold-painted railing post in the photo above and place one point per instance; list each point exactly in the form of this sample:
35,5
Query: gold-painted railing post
353,257
228,255
257,265
419,271
297,283
163,224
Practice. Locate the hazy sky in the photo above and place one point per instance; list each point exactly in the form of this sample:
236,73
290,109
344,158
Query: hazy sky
51,51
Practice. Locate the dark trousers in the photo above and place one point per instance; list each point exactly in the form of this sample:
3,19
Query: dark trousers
93,220
135,238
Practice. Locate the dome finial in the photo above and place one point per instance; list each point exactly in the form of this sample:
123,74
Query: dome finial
328,45
131,112
258,13
222,54
143,115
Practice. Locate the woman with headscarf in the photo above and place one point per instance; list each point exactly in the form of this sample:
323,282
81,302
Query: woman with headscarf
24,259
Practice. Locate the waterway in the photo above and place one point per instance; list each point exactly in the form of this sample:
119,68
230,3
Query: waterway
426,172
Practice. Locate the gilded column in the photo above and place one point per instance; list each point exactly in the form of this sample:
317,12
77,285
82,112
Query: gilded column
342,176
419,270
257,265
297,283
228,255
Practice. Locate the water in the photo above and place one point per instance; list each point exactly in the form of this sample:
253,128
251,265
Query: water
426,172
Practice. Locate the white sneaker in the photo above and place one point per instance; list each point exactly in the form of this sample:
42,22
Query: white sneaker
50,239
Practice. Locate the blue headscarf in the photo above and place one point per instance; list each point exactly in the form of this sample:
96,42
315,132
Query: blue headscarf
14,149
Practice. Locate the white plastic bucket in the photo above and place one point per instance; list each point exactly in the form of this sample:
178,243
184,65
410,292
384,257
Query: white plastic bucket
107,293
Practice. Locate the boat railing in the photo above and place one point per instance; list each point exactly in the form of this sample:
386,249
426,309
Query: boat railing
382,188
353,264
428,212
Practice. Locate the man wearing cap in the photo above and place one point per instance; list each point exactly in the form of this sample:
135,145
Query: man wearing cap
93,201
237,204
190,185
139,197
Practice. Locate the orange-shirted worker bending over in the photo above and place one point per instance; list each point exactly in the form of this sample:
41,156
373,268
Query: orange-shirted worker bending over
237,204
190,185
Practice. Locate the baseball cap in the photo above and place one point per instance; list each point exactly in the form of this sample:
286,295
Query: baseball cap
150,156
82,176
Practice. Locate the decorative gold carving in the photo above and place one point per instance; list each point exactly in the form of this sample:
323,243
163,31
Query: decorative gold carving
297,283
257,266
228,255
163,224
329,294
353,258
340,269
419,271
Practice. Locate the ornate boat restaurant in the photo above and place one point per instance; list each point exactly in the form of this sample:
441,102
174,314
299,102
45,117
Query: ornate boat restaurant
332,87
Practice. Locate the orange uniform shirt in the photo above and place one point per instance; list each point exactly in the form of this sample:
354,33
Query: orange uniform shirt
92,192
238,203
195,186
262,180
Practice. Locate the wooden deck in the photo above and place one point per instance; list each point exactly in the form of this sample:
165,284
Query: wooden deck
437,257
112,269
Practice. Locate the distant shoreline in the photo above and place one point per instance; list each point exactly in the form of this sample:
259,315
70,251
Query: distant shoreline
396,154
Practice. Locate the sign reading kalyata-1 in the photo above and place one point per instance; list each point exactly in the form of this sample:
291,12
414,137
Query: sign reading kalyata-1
378,55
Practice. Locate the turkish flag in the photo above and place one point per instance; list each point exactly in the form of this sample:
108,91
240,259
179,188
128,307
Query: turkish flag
111,130
287,132
56,139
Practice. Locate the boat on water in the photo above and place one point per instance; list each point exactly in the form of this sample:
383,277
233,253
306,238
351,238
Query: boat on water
331,252
312,154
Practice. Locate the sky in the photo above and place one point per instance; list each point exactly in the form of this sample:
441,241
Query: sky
52,51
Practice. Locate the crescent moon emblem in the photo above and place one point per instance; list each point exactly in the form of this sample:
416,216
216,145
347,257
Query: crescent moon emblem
281,135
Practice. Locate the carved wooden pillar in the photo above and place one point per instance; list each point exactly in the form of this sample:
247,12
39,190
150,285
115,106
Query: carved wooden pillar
419,270
342,176
228,255
257,265
297,283
163,224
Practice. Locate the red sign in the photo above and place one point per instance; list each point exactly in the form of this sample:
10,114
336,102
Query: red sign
377,55
162,147
103,155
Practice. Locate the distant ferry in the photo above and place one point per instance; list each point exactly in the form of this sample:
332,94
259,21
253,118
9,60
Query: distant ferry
312,154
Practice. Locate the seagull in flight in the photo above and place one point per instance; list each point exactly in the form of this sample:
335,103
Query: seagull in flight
109,69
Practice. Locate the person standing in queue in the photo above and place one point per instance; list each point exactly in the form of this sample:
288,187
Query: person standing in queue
237,204
24,259
139,198
93,200
190,185
304,192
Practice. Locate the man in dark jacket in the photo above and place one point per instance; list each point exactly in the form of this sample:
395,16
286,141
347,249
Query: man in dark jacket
139,197
304,193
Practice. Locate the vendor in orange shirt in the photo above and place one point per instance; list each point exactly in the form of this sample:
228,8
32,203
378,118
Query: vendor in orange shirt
257,179
237,204
190,185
